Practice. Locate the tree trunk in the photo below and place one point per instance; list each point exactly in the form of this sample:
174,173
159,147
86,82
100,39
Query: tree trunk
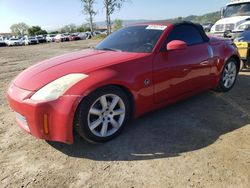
107,20
91,24
91,20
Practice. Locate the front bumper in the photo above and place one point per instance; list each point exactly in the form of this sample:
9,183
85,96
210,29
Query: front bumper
30,115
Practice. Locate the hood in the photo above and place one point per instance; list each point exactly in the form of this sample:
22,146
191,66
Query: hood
232,20
84,61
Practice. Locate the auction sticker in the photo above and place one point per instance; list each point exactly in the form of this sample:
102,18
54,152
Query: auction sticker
157,27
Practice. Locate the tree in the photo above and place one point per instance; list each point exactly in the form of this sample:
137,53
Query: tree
83,28
117,24
19,28
71,28
111,6
88,9
36,30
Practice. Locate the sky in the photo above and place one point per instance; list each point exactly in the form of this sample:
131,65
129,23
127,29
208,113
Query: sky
53,14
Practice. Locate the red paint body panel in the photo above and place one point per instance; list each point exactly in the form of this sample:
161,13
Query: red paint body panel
171,79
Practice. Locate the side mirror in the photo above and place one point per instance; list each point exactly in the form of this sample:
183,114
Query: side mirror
222,12
176,45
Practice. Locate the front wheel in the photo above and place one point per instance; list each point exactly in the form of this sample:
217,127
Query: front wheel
102,115
228,75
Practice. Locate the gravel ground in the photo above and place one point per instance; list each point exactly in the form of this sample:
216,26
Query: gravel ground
203,141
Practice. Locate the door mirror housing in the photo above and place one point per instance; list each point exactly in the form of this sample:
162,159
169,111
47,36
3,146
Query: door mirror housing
176,45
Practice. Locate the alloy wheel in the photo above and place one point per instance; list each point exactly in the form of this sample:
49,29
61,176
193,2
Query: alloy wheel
106,115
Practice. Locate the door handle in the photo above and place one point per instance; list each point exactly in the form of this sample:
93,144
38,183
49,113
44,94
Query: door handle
204,63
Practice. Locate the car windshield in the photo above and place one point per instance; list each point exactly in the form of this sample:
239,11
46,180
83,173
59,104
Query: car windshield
242,9
13,39
31,38
133,39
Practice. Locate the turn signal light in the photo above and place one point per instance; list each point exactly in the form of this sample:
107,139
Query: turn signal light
46,123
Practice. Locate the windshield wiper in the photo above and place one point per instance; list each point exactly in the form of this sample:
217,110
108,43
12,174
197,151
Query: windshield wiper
109,49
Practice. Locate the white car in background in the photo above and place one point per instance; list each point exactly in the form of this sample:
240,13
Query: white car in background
60,38
2,42
30,40
83,36
15,42
50,38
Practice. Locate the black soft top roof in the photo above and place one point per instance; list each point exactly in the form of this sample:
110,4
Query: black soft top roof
180,22
198,27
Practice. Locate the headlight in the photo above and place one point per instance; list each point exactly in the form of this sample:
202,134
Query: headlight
243,27
56,88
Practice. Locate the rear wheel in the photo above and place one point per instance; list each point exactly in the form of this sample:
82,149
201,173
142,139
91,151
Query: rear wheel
102,115
228,75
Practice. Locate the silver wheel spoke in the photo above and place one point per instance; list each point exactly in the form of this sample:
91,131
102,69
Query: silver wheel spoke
95,111
224,78
104,102
114,102
114,123
229,66
118,112
104,128
226,83
95,124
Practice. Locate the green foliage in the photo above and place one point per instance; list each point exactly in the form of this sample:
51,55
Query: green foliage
71,28
99,37
210,17
19,28
84,28
118,24
54,32
36,30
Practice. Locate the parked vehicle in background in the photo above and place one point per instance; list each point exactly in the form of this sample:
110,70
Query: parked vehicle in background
89,35
50,38
233,17
243,44
66,35
74,37
60,38
41,39
207,26
30,40
2,41
97,33
15,42
83,36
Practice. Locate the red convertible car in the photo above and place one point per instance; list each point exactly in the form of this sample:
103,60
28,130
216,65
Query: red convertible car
135,70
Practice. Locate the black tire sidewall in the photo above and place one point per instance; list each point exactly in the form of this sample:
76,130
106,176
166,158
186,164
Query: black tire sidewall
81,118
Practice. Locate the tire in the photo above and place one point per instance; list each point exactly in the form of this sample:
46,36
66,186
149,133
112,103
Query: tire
228,75
95,119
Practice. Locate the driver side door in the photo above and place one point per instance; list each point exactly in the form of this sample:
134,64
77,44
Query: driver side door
178,72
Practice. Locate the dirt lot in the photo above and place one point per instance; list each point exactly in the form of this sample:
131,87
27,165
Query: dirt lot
201,142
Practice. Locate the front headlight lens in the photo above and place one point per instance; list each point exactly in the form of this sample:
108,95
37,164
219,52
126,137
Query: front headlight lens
243,27
56,88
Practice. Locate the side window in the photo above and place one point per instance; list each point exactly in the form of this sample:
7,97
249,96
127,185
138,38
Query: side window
186,33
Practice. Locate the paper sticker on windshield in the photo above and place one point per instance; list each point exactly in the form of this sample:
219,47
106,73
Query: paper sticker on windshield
157,27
